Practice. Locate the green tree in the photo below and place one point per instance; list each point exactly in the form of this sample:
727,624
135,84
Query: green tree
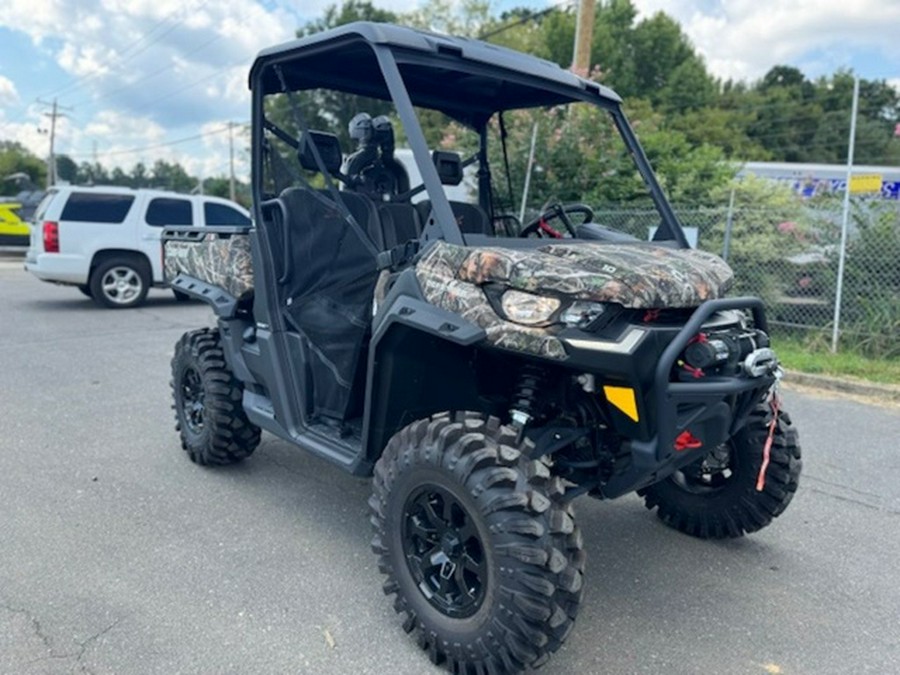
171,176
347,12
465,17
723,128
15,159
66,169
92,174
665,59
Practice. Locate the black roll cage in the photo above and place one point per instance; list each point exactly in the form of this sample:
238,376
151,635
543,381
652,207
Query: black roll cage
518,81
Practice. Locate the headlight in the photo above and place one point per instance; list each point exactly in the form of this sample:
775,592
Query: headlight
581,313
527,308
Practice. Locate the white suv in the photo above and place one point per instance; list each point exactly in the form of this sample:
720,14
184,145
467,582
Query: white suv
106,240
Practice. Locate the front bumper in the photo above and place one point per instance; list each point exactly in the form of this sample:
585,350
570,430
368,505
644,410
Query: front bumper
709,411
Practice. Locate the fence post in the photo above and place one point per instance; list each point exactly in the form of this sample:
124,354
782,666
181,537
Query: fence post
846,220
729,222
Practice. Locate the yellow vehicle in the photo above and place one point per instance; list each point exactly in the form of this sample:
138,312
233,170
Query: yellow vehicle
13,230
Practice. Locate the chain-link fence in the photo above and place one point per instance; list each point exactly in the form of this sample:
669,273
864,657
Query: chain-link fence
789,256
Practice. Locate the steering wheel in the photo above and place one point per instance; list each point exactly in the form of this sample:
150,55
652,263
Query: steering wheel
540,226
508,222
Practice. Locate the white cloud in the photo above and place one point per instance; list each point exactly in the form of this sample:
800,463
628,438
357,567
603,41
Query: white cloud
31,133
8,94
742,39
123,50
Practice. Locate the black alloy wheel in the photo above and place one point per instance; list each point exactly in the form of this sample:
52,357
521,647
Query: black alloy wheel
444,551
192,399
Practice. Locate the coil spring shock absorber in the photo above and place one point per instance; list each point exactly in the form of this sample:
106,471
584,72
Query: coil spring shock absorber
525,395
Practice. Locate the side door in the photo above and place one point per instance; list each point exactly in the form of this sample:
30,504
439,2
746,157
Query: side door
162,211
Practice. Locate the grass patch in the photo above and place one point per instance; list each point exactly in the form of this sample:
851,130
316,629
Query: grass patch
796,354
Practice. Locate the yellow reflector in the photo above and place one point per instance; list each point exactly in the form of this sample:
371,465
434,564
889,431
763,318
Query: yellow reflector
623,399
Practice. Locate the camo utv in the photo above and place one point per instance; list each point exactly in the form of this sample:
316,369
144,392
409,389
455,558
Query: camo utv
484,370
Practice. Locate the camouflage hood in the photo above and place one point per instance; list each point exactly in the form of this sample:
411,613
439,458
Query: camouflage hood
634,275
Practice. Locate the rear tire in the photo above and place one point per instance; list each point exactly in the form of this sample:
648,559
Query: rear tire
85,290
209,413
120,283
723,502
483,556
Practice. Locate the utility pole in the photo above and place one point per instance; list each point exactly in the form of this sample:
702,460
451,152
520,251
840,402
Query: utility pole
51,160
231,190
584,34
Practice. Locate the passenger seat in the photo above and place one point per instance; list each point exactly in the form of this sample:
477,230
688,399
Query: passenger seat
471,218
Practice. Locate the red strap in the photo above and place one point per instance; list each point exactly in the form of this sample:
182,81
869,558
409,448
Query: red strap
767,446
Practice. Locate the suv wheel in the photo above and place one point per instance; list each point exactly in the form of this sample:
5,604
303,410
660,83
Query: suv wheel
484,558
716,497
120,283
209,413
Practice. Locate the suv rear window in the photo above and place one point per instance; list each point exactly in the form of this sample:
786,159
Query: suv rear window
45,202
93,207
167,211
220,214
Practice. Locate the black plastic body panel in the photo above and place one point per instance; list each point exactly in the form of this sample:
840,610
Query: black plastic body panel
222,302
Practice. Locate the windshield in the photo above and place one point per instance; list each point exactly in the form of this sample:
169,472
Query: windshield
552,171
567,163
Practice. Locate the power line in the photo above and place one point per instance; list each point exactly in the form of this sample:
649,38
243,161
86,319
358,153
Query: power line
152,74
128,53
156,146
531,17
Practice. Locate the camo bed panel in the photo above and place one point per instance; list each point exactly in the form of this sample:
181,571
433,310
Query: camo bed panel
222,261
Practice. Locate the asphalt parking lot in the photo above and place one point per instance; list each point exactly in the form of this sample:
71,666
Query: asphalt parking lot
117,555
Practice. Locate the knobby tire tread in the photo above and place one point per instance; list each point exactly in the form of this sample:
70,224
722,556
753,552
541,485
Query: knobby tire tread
536,545
742,509
228,436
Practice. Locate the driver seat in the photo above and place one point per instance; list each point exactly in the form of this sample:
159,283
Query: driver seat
470,218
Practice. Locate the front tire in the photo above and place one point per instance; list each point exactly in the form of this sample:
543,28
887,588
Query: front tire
484,558
209,413
120,283
716,497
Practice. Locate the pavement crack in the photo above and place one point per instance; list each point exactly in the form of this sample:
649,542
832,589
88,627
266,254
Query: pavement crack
852,500
38,631
862,493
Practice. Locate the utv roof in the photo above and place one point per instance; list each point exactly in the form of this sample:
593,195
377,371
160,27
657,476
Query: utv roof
466,78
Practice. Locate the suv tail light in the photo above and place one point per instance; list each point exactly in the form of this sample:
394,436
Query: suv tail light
51,237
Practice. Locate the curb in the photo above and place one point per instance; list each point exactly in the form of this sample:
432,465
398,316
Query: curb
859,388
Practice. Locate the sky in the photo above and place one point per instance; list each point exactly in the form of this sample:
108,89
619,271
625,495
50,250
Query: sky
135,78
